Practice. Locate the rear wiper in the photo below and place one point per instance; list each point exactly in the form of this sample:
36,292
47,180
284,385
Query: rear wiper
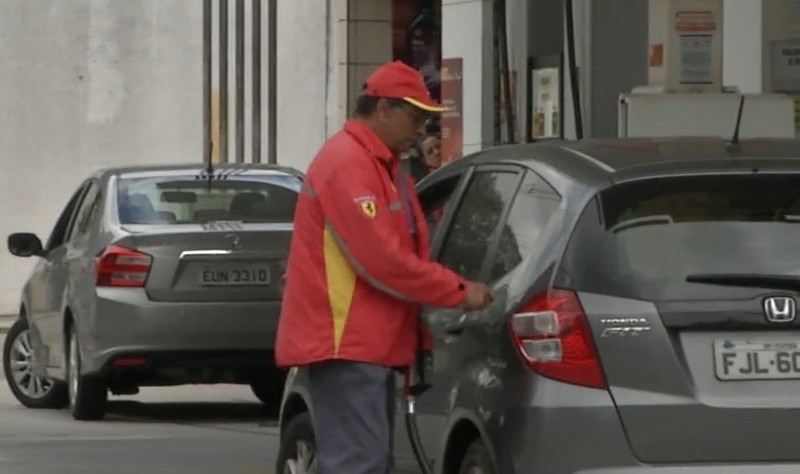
753,280
642,221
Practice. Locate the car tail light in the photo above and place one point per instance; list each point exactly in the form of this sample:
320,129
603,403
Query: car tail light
552,335
129,362
119,266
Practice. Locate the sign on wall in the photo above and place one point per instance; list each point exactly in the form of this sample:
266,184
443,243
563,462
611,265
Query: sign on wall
452,123
785,66
785,72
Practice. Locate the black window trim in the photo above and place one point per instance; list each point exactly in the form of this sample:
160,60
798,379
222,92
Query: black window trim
494,244
86,185
464,176
69,237
454,207
74,202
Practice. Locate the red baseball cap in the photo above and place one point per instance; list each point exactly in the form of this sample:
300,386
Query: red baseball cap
398,80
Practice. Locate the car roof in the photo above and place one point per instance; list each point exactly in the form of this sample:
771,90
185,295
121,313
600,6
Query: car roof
616,159
219,169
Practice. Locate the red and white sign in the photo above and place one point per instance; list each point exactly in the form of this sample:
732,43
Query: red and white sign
695,22
452,122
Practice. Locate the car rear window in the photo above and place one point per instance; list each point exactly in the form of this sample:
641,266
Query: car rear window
160,200
642,239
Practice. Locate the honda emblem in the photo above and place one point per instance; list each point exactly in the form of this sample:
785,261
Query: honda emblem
780,309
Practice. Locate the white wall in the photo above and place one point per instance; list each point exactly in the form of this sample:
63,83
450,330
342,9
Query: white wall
467,34
303,78
326,49
87,84
94,83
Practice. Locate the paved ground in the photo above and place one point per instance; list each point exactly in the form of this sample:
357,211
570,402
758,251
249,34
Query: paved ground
5,322
198,430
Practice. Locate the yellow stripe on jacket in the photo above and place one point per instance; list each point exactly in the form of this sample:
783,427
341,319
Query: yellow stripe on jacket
341,281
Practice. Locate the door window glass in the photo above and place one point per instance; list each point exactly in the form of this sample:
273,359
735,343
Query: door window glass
59,233
534,205
86,212
475,221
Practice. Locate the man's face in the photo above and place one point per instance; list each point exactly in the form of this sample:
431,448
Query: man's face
432,151
402,125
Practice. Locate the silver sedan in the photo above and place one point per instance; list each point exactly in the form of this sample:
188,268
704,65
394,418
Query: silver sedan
154,276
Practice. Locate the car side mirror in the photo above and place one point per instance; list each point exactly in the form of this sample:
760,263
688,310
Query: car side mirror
25,244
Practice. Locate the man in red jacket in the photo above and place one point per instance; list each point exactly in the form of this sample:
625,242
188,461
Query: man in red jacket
359,272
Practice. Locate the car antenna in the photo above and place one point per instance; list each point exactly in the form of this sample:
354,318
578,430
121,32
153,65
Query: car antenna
210,166
734,145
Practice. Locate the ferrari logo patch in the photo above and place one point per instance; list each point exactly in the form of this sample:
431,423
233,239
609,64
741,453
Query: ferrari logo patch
369,208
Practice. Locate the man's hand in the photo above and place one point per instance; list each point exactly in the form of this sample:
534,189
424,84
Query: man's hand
479,295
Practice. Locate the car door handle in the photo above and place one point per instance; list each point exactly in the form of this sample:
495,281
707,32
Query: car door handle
455,328
52,266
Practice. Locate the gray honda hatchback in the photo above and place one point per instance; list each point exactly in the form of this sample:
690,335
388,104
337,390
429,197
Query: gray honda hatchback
645,318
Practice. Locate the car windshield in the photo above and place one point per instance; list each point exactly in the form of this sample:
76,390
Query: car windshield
643,239
160,200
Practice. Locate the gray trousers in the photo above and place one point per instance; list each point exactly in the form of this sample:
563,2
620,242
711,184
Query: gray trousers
353,417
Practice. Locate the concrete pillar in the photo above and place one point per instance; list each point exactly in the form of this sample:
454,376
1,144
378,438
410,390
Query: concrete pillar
326,49
618,61
369,36
307,75
742,45
750,28
467,34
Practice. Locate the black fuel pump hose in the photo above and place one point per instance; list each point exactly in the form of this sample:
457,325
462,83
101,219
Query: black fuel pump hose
573,69
413,436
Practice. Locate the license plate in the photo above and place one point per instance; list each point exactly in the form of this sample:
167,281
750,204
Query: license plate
235,275
757,360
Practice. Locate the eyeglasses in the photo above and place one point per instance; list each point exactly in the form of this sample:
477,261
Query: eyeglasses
419,116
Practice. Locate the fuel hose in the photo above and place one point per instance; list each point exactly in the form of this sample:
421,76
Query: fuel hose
411,426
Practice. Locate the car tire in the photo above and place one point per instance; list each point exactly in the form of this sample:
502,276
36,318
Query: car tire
88,396
269,390
298,449
18,360
477,460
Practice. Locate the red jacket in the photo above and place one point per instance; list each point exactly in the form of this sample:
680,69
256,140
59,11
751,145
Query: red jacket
356,274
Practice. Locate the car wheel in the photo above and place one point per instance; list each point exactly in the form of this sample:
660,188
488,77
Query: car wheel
88,396
477,460
298,450
32,390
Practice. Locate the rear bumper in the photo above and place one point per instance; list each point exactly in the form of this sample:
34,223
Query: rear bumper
127,324
701,469
573,430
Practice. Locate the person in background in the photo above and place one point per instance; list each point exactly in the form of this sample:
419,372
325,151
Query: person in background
359,272
425,157
430,148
